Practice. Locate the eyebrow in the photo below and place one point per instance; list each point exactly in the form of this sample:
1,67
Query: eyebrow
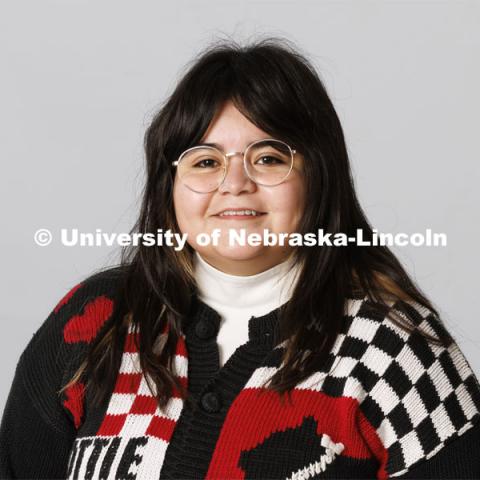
220,147
210,144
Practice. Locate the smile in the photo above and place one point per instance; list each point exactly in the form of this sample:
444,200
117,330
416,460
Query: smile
240,214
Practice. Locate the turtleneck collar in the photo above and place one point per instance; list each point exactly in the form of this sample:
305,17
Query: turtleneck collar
256,298
258,294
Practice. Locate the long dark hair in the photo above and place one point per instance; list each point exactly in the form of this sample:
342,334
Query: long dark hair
278,90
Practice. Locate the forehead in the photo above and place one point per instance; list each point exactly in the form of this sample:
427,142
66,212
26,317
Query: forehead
230,126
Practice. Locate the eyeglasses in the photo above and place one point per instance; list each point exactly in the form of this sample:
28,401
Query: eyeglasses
203,168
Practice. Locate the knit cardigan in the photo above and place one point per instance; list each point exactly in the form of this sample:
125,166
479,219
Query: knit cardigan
386,404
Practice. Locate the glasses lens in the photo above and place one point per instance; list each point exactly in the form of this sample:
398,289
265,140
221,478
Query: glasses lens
202,169
269,162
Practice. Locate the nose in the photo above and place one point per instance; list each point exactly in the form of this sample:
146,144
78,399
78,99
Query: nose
236,179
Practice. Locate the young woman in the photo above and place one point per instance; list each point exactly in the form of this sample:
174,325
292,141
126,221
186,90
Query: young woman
245,361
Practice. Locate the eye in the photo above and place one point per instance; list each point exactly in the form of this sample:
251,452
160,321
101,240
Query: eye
269,160
206,163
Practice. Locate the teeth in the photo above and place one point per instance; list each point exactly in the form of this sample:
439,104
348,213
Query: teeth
239,212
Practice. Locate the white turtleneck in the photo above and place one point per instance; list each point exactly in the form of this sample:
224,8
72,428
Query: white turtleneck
237,298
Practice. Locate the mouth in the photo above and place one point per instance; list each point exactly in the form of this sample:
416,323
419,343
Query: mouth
240,214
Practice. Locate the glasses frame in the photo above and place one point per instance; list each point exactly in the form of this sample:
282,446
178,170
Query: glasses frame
228,155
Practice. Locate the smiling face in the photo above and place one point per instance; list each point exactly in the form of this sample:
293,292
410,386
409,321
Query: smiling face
283,204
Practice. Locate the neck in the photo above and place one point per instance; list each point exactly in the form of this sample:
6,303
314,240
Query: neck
256,293
250,267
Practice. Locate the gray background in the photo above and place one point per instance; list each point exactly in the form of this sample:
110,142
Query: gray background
80,81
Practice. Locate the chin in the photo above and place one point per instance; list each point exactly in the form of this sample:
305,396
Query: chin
239,252
235,253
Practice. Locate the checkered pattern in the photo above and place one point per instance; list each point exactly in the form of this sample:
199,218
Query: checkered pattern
133,414
416,396
409,397
133,410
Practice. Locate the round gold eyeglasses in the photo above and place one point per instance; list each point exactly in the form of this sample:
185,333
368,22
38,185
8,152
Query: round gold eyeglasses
203,168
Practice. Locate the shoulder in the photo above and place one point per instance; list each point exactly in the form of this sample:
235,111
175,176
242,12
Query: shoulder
389,359
414,395
80,311
57,347
70,327
88,305
372,336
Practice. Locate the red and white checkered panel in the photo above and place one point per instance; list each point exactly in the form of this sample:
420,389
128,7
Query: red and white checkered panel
133,415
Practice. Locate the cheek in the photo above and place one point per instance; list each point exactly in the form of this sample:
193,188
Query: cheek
288,205
190,208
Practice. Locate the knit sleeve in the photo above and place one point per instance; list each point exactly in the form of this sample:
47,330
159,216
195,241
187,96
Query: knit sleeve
39,424
421,418
32,443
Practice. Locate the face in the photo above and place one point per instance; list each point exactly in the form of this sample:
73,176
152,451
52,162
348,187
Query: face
282,204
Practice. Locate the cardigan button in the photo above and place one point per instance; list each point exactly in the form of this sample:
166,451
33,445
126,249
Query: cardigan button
205,329
211,402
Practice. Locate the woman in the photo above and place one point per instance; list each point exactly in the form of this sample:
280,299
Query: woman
254,361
